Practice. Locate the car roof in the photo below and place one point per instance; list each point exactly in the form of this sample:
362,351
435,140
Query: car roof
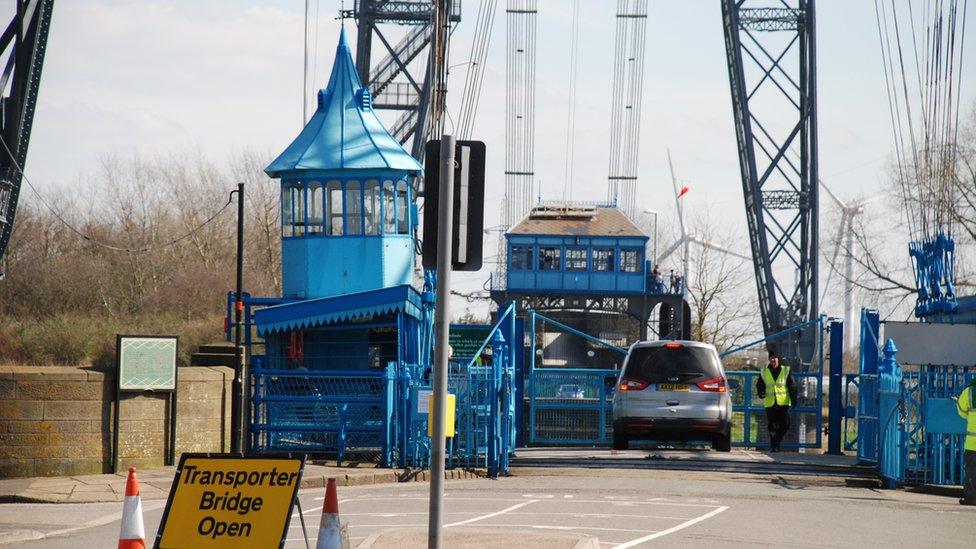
662,342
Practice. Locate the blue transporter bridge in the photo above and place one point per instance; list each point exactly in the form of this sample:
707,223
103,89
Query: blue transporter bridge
348,329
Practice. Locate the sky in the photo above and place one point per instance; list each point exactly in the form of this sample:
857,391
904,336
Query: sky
219,76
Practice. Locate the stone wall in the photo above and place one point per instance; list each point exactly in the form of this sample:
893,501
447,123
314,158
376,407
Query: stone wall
59,420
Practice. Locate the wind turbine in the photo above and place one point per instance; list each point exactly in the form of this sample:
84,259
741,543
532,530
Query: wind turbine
687,239
848,213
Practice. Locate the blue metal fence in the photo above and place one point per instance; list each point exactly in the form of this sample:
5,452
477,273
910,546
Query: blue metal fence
906,420
333,412
570,417
570,406
932,432
749,414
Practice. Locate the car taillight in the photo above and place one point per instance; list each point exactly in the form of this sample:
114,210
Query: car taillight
673,345
630,384
714,385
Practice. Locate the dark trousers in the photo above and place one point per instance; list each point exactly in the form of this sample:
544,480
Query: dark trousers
778,422
969,485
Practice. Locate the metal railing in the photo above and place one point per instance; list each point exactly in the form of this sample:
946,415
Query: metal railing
749,414
335,413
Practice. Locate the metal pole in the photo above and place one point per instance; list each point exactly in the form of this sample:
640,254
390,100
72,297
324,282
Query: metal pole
237,404
655,239
445,237
849,289
305,71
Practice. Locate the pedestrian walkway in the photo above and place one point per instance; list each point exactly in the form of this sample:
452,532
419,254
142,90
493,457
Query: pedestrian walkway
156,483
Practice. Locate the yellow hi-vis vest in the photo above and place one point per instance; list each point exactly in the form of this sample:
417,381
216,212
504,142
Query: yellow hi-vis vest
967,410
776,391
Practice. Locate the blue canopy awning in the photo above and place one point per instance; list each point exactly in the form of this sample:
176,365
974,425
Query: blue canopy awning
300,315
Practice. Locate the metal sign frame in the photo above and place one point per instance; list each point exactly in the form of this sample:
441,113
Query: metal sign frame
169,391
469,205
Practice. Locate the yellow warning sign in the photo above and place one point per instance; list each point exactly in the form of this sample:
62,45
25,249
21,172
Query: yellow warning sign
222,500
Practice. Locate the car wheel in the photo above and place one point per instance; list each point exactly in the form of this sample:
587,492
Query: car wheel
723,443
620,441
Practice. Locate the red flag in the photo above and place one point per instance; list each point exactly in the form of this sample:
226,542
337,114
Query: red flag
684,190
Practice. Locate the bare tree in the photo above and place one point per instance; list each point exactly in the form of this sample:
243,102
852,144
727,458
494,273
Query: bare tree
721,294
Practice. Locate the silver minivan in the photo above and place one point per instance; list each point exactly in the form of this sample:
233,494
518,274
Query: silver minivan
672,391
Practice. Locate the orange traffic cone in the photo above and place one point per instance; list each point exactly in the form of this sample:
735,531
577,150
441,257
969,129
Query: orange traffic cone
332,534
133,535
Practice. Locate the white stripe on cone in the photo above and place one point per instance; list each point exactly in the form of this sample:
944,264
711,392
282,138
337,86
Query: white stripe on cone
332,534
133,528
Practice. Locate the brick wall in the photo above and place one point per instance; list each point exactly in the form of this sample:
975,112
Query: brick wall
58,420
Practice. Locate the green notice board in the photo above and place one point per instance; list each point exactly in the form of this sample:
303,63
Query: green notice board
147,363
465,339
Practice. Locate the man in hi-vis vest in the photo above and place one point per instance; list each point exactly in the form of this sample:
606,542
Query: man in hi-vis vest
778,391
967,409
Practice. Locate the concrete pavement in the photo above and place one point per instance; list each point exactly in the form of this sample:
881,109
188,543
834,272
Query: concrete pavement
620,507
155,483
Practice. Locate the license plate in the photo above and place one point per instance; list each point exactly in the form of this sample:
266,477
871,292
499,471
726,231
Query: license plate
673,387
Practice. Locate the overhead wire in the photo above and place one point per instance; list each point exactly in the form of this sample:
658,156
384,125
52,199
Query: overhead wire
625,103
102,244
474,79
924,106
568,162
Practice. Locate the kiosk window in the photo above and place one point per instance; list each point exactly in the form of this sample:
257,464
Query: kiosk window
315,204
354,208
630,261
549,259
403,220
335,208
371,199
575,259
603,260
521,258
292,210
389,208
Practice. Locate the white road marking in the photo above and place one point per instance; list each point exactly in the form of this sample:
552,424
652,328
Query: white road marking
94,523
667,504
567,496
562,528
319,509
490,515
663,533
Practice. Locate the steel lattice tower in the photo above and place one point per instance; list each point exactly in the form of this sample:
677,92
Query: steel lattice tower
401,81
22,47
771,51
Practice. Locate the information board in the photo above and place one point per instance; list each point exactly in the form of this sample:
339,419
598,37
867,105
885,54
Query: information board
465,340
147,363
221,500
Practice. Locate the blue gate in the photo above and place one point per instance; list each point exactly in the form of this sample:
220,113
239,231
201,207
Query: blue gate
308,411
570,406
485,399
907,424
749,414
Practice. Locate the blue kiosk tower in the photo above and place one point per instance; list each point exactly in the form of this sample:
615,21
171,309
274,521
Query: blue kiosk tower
349,323
346,203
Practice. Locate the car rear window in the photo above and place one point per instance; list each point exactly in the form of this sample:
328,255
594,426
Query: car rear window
662,364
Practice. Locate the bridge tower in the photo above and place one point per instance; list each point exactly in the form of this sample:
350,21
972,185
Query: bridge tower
401,81
22,48
771,53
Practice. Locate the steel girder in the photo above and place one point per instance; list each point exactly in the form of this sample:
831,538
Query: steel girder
22,47
778,157
401,80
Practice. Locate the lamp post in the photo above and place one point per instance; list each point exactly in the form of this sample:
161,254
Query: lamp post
654,213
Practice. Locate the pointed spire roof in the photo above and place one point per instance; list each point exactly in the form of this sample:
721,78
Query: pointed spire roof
344,133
